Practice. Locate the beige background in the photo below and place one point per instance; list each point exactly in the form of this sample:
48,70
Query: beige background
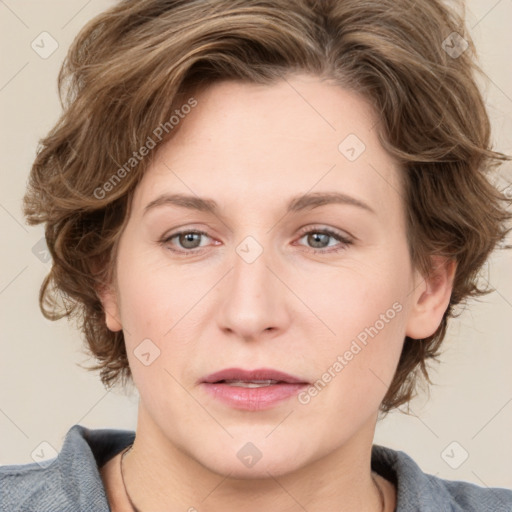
42,390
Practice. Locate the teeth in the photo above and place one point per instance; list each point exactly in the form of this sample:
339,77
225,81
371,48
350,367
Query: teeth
250,384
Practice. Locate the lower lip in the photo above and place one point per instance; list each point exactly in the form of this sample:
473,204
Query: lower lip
252,399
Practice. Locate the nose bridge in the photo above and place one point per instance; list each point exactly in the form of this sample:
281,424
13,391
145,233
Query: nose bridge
254,300
251,276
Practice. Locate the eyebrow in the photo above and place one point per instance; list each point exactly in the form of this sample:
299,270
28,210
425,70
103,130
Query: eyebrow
297,203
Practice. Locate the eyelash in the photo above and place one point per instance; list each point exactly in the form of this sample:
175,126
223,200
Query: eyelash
345,242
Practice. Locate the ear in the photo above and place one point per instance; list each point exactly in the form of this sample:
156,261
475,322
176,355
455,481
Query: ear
431,298
109,301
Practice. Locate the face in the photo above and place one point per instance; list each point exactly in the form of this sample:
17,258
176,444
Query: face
264,273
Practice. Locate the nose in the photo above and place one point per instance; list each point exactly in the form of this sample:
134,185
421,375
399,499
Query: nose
255,299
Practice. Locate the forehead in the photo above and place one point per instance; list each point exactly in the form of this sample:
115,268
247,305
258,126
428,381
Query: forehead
247,142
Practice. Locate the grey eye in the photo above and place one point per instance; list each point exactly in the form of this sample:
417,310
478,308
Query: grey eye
189,240
318,240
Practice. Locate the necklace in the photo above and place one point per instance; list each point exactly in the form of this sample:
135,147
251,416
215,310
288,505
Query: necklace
135,509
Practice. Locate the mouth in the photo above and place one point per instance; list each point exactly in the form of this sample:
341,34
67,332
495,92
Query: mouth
249,384
260,377
252,390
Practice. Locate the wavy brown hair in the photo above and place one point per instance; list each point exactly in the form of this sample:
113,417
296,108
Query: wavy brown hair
134,66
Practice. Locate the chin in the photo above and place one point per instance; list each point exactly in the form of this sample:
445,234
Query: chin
251,460
260,470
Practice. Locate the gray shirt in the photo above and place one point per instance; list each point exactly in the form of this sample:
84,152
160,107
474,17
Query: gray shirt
71,482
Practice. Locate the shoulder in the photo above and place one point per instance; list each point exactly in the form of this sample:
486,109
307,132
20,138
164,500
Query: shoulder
24,486
421,492
471,497
71,481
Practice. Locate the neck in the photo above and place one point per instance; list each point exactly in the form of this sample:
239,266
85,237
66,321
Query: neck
340,481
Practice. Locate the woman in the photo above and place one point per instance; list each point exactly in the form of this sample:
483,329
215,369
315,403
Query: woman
264,214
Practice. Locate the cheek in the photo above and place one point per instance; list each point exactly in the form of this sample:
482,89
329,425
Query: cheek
162,309
354,370
350,300
154,313
155,295
365,312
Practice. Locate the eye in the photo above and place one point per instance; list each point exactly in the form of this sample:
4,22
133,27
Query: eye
319,240
187,240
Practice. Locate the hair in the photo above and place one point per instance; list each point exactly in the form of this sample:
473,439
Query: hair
134,66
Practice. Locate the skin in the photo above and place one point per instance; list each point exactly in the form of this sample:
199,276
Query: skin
251,148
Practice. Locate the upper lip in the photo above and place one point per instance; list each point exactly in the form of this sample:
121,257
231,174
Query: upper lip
252,375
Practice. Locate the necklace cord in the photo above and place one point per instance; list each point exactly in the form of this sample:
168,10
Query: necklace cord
135,509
